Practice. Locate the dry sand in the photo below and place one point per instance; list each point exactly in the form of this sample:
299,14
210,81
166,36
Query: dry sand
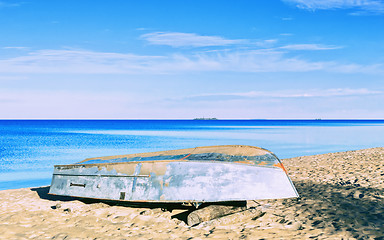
342,197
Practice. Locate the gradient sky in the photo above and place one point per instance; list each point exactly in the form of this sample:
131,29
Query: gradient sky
153,59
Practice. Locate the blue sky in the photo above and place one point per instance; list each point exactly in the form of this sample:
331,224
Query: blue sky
183,59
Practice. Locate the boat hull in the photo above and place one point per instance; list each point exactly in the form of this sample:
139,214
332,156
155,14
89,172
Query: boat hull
173,182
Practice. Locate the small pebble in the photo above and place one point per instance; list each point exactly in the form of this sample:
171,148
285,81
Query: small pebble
296,226
68,210
358,195
57,206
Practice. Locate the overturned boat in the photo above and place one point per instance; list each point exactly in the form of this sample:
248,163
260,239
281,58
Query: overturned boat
194,175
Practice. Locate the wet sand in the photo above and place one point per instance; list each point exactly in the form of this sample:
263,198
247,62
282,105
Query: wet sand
342,197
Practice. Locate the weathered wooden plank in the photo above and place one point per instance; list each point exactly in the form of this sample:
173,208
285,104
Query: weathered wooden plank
211,212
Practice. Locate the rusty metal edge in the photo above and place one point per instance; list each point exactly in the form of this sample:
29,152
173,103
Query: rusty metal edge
286,174
155,161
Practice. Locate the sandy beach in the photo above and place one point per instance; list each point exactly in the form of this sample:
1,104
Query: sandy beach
342,197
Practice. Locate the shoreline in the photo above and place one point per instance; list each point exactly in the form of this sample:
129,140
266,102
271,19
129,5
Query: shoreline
342,197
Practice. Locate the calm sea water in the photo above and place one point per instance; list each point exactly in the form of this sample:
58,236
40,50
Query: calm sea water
30,148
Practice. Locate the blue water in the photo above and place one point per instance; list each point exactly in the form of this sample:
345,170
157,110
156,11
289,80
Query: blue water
30,148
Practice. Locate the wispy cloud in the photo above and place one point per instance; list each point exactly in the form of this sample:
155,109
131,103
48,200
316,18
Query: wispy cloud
292,94
267,43
91,62
77,61
82,61
178,39
6,4
365,6
309,47
16,48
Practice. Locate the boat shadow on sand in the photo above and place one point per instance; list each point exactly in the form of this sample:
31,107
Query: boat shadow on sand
42,192
327,206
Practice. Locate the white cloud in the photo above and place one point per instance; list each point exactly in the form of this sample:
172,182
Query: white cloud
84,104
5,4
367,6
16,48
90,62
268,43
248,56
76,61
309,47
308,93
312,93
178,39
